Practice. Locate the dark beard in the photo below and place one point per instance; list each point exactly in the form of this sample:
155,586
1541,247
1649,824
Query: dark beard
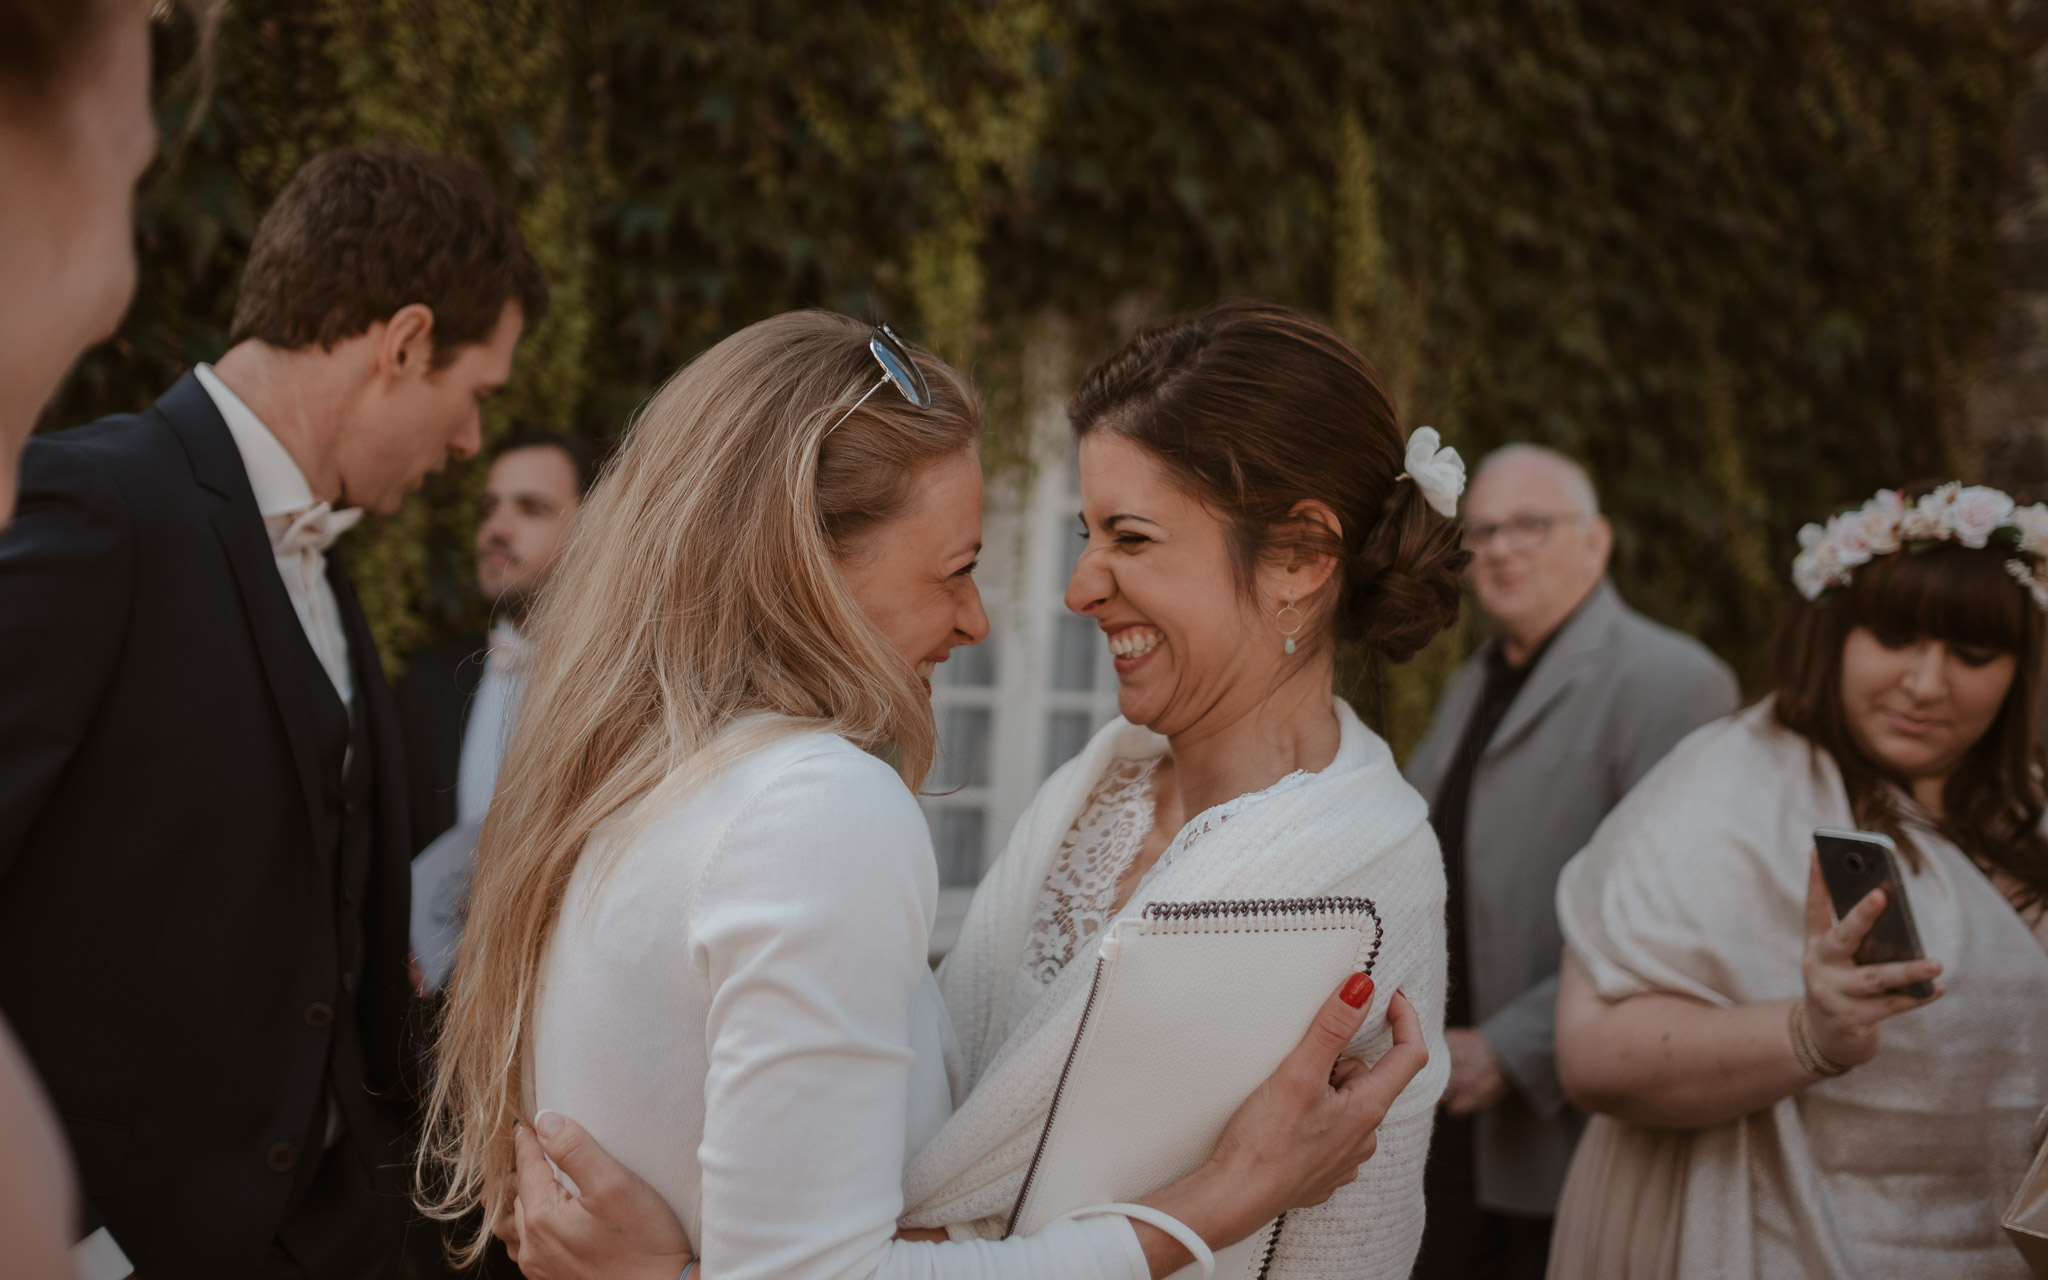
513,605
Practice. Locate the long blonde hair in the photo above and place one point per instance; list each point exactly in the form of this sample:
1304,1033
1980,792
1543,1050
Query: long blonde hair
699,588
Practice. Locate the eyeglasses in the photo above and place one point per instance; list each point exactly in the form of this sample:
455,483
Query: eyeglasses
897,368
1520,532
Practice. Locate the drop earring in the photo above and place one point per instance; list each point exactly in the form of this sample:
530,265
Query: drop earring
1293,631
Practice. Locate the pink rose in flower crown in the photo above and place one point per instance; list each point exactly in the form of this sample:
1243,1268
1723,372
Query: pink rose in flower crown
1810,575
1978,512
1848,540
2032,522
1878,522
1928,519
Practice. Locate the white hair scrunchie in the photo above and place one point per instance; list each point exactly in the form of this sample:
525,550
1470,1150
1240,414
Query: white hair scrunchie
1437,471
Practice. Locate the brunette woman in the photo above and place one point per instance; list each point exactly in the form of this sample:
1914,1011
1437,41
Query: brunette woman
1765,1106
1251,507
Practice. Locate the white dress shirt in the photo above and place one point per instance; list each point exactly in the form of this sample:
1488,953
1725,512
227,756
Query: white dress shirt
300,529
440,872
736,1004
491,714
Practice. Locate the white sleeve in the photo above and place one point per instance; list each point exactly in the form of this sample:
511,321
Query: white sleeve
810,926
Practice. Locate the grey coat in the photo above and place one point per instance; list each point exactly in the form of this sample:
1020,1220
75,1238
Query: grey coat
1613,693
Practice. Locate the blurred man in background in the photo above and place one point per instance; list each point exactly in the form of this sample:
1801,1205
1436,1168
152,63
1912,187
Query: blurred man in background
457,702
203,843
1538,735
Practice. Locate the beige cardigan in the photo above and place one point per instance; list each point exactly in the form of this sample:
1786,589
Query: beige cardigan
1696,884
1355,828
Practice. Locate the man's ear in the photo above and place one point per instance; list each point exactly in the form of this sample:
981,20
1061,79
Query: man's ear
405,344
1601,535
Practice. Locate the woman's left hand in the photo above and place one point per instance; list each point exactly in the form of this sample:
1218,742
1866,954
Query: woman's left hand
1846,1001
615,1227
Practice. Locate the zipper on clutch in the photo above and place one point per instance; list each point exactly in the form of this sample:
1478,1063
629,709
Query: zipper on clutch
1045,1134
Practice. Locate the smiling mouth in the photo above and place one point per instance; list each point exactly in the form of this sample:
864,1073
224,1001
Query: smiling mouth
1135,642
1912,724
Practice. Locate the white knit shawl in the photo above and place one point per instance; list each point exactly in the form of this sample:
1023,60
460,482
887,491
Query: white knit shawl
1355,828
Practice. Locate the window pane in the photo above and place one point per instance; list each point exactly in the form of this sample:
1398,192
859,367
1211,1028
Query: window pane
957,839
1066,732
1074,649
963,748
969,668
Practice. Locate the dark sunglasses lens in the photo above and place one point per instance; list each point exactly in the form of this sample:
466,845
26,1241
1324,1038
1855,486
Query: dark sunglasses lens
900,368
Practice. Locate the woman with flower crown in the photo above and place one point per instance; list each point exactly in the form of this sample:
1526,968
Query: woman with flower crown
1764,1106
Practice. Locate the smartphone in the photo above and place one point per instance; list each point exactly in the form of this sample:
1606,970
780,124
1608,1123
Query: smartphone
1855,862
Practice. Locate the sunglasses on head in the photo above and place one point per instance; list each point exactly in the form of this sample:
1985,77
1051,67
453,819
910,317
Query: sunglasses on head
897,368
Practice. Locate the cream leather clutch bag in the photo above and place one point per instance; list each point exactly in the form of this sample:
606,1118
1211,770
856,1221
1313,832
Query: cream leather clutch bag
1194,1005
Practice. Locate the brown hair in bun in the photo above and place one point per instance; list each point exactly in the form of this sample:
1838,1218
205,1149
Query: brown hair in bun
1255,408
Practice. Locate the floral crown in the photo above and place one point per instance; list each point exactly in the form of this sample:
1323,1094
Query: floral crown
1973,515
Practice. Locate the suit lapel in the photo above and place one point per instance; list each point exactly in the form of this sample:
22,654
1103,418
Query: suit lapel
1432,758
305,699
1568,660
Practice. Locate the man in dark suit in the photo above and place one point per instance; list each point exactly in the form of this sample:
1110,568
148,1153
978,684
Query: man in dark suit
203,844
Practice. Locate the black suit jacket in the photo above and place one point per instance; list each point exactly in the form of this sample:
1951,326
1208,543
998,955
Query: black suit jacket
433,713
189,949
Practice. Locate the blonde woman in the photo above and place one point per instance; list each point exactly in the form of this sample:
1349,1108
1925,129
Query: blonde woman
701,908
1250,506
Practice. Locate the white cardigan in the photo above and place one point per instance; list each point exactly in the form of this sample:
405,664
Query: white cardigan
736,1004
1354,829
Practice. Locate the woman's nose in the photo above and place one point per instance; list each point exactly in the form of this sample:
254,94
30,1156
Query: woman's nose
972,619
1927,675
1090,586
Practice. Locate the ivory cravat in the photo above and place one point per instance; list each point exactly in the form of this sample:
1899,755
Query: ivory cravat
299,540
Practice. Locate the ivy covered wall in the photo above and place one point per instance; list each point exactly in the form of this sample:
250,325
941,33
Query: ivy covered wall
1739,257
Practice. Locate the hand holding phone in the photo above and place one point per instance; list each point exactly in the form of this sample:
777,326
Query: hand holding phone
1853,863
1846,999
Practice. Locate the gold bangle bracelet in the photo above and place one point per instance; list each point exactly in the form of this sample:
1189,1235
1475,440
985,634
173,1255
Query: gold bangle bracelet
1807,1050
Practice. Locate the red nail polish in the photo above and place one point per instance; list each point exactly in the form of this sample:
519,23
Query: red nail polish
1358,992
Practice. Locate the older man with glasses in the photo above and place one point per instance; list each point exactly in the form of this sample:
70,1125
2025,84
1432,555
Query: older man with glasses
1539,734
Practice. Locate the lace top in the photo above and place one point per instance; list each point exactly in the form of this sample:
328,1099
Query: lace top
1080,892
